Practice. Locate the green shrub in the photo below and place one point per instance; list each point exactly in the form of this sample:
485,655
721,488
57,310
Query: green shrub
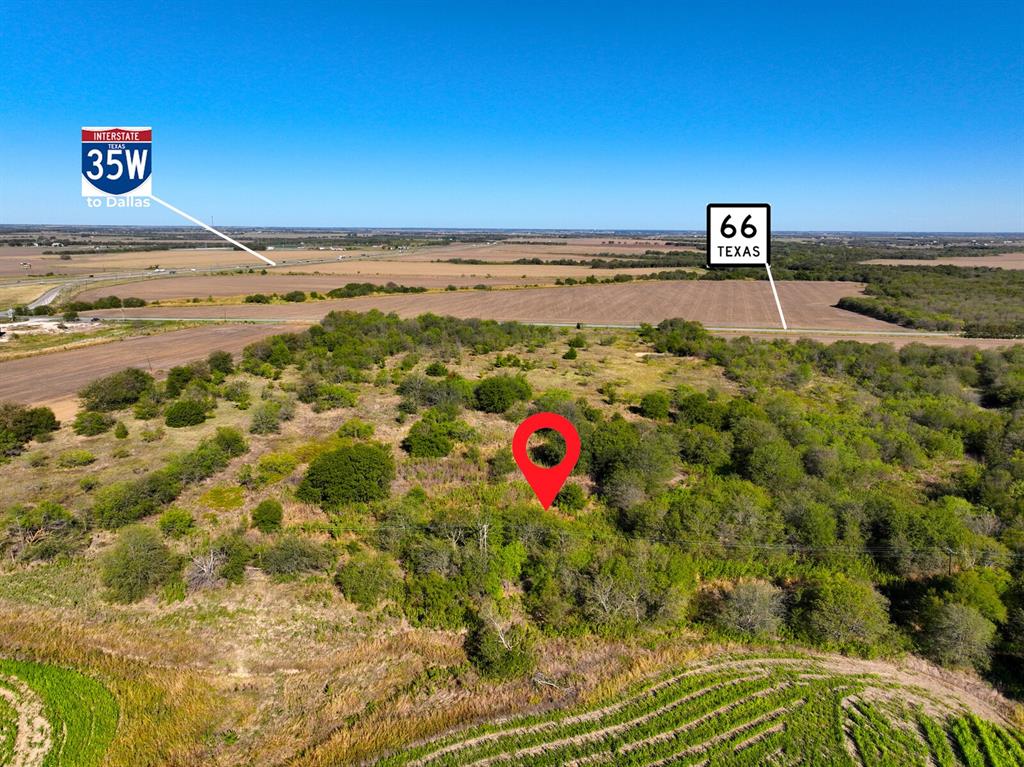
238,392
138,564
147,408
428,438
184,412
352,473
294,296
655,406
570,355
221,362
267,516
571,497
19,425
116,391
120,430
231,441
257,298
500,465
127,501
498,393
75,457
237,554
366,579
436,369
435,602
578,341
89,423
293,555
356,428
176,523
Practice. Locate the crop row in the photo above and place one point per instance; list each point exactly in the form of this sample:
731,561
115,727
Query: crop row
740,714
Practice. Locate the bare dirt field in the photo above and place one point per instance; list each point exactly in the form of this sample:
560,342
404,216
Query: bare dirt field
57,376
335,275
573,247
730,303
12,258
1002,261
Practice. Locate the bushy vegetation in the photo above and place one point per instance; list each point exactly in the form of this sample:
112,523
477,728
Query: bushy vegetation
184,412
89,423
267,516
353,473
130,500
20,425
498,393
137,564
117,390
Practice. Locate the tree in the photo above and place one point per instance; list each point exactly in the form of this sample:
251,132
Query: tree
116,391
843,613
138,563
352,473
496,649
751,607
957,635
498,393
267,516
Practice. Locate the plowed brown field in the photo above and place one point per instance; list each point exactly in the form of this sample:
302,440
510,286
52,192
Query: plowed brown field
731,303
47,378
1002,261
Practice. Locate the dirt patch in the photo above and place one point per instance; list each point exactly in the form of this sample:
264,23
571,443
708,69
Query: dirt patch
35,736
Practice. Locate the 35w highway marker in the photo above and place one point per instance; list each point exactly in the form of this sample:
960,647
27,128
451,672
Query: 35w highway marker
117,164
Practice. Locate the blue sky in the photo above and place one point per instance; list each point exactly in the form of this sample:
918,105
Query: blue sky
585,115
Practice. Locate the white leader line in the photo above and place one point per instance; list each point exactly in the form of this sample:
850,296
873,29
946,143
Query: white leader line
776,294
223,236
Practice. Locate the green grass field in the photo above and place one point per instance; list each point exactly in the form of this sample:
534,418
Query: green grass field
746,712
80,713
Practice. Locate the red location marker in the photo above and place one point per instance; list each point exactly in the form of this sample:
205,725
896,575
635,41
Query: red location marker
546,482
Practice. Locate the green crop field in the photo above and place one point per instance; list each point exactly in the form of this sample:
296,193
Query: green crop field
750,711
73,717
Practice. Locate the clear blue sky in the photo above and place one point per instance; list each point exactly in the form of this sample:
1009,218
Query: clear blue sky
584,115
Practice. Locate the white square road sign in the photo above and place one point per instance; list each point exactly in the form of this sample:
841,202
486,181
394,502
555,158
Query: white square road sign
739,234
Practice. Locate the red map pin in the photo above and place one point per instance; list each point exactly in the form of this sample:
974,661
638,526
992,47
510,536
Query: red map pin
546,482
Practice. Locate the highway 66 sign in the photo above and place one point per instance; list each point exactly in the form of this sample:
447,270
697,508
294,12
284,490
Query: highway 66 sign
739,234
117,162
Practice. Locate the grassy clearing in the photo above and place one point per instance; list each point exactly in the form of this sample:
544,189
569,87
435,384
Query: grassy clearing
81,713
13,295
